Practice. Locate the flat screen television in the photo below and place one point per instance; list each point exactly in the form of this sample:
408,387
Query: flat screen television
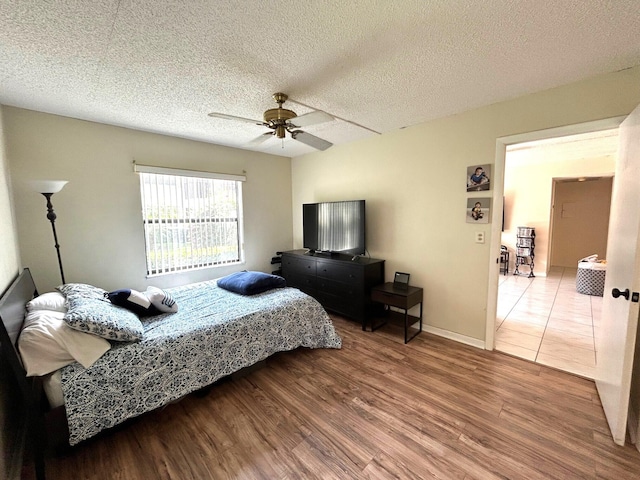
335,227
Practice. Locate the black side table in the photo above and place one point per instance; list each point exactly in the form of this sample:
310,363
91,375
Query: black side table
401,297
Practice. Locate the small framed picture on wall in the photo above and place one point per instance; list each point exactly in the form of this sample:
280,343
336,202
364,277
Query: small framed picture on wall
478,178
479,210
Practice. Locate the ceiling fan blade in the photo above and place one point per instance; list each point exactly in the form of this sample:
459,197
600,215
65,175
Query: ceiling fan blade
260,139
233,117
336,117
311,140
311,118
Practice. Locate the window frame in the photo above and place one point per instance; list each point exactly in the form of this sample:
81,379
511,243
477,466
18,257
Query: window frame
173,267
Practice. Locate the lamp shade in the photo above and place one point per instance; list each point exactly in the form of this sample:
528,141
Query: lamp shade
47,186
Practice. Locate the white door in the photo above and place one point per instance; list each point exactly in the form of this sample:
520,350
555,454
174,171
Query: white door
616,336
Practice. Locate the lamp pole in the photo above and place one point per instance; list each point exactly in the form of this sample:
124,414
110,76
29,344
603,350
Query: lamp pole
51,215
47,188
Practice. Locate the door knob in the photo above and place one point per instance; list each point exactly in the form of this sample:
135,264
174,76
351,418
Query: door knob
617,293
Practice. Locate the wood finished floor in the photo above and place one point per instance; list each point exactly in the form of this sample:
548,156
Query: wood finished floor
375,409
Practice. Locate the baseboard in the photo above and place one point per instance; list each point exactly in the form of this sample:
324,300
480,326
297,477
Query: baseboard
474,342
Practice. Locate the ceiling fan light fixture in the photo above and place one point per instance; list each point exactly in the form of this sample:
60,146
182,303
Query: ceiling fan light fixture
278,115
280,131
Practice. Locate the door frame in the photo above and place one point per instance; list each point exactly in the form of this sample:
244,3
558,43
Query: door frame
498,195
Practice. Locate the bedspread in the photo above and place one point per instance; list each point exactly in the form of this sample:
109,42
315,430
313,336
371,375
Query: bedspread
214,334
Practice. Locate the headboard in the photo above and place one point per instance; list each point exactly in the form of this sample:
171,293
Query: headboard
12,310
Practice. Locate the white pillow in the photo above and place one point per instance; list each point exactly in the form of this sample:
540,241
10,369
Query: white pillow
161,299
48,301
47,343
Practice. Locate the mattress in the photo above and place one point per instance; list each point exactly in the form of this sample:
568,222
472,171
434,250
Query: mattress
215,333
52,386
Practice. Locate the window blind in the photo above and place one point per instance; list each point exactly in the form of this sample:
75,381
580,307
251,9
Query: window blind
190,222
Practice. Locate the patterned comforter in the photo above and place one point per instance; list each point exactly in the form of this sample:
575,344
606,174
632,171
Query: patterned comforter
214,334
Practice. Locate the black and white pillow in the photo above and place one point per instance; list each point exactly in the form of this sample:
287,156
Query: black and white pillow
161,299
81,290
89,311
133,300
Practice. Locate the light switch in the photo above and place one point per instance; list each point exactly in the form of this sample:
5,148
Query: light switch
479,237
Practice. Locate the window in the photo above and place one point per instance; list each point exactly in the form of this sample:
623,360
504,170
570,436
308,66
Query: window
191,219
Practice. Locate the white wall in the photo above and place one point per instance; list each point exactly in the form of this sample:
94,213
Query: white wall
528,185
414,183
99,222
9,260
9,267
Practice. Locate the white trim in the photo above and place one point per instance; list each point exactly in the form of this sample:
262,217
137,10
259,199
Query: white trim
474,342
494,247
565,131
187,173
498,193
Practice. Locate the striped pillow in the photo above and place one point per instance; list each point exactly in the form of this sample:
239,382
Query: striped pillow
161,299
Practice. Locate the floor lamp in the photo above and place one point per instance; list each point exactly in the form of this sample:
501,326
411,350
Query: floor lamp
48,188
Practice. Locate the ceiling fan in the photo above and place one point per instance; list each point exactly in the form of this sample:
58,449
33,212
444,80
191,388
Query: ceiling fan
282,120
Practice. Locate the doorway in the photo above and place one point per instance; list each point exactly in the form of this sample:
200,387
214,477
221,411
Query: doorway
540,152
579,218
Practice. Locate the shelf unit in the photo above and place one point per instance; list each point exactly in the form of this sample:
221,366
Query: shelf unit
504,260
525,250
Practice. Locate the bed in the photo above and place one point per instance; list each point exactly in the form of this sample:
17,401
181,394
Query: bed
214,334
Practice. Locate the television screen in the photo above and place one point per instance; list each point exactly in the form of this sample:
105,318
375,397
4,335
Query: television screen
334,227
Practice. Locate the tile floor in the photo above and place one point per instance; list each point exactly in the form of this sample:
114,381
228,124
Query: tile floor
545,320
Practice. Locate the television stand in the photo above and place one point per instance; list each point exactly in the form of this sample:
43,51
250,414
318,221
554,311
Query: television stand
340,283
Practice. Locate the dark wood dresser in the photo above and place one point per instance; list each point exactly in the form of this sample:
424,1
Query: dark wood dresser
339,283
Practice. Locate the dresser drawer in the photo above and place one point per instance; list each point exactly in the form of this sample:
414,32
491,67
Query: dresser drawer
340,272
349,307
388,298
303,282
298,265
406,299
332,287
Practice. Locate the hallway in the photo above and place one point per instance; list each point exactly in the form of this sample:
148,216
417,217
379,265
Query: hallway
544,319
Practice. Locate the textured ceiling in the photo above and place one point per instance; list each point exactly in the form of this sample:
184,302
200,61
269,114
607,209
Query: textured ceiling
161,66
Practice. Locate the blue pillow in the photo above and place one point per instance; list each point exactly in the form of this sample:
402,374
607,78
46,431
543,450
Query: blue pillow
250,283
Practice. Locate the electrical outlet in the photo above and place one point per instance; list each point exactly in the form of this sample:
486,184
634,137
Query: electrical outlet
479,237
